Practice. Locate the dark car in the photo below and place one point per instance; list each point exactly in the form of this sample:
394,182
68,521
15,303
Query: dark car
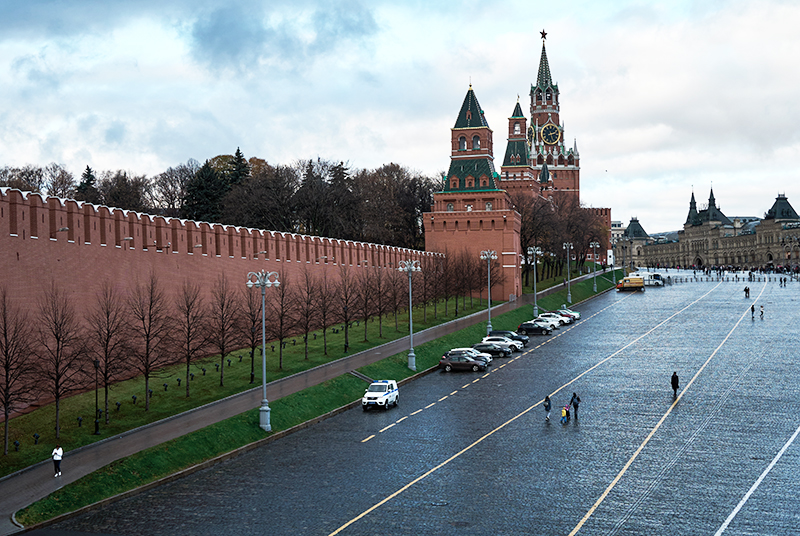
492,349
514,336
531,328
460,362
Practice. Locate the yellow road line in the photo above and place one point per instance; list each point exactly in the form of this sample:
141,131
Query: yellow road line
379,431
429,405
401,420
657,426
415,412
454,392
367,439
445,396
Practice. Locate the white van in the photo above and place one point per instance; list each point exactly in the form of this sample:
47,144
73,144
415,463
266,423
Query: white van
651,279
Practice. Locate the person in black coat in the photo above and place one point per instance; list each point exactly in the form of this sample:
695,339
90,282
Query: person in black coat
675,385
575,402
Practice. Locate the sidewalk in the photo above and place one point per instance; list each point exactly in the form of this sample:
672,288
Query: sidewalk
33,483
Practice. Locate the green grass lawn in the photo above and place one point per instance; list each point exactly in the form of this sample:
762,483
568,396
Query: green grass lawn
204,388
191,449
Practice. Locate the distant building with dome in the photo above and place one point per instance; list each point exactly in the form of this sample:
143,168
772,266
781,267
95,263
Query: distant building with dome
710,238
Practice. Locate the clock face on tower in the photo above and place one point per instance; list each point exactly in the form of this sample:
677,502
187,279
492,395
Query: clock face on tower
550,134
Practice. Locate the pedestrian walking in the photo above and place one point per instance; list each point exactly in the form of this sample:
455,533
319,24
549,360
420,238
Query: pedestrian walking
675,385
575,402
762,312
565,414
57,454
547,407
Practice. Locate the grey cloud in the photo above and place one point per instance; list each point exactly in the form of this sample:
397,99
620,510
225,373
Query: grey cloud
115,133
235,37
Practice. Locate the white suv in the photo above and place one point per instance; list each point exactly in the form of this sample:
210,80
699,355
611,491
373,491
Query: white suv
504,342
381,394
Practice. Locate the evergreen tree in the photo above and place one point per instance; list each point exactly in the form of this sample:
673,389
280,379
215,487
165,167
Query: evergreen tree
204,194
87,188
239,170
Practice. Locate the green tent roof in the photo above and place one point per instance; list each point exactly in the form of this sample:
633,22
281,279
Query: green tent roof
472,167
517,112
471,114
516,148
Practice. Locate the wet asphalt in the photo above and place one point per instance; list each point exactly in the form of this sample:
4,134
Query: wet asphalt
471,453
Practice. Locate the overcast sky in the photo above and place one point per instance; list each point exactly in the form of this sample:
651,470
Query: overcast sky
662,99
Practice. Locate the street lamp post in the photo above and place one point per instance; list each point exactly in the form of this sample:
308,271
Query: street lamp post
533,252
594,246
614,262
263,280
96,401
568,248
409,267
489,256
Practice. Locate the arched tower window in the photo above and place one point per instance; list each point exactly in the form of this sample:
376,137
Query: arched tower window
488,205
548,95
516,127
476,142
462,143
450,207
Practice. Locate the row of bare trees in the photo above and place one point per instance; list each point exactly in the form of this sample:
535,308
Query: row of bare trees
55,351
549,222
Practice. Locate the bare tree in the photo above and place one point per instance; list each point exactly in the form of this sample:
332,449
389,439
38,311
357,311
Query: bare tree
326,297
307,306
282,310
169,187
251,322
381,280
29,177
60,347
58,181
190,325
223,322
17,369
395,293
107,335
150,325
365,294
345,298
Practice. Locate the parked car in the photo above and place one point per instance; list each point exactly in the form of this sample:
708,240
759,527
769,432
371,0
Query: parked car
554,324
571,317
504,342
558,318
474,354
513,335
492,349
577,314
460,361
531,327
381,394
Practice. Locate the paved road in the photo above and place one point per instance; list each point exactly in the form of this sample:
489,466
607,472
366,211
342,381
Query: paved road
471,454
33,483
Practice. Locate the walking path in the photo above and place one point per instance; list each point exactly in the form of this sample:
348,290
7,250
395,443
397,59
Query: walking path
33,483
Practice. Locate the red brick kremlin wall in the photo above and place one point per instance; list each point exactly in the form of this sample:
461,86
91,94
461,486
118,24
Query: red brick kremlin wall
107,244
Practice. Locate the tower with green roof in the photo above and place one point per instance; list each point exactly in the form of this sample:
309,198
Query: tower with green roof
516,172
546,135
473,211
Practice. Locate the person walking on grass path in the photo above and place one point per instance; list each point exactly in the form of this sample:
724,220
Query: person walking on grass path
675,385
547,407
575,402
57,454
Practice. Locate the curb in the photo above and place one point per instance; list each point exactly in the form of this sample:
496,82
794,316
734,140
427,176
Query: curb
208,463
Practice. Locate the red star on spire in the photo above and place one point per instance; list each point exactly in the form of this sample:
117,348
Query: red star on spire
544,34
